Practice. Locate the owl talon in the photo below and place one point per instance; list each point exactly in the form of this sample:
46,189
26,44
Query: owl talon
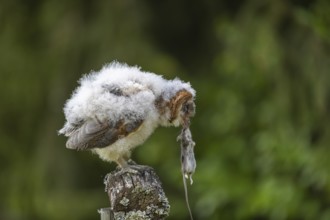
131,162
130,169
134,168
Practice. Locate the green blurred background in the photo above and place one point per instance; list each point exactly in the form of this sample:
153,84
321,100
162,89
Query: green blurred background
262,74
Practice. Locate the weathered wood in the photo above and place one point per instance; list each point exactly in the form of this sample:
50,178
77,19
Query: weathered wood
106,214
136,193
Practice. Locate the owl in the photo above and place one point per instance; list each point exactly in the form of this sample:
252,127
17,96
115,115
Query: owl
116,109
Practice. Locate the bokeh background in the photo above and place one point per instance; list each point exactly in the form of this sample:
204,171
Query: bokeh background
262,74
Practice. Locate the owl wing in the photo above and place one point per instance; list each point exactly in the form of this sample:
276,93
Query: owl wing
98,134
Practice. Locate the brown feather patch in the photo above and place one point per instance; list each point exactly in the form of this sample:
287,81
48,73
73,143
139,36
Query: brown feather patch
177,101
96,134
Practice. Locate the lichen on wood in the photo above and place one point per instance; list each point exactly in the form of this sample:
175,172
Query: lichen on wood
136,193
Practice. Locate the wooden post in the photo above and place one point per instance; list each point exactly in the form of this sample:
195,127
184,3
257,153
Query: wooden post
135,193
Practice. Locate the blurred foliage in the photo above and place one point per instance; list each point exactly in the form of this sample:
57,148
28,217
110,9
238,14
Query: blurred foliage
261,71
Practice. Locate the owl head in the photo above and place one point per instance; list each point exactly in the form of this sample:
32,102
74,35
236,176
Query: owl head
178,109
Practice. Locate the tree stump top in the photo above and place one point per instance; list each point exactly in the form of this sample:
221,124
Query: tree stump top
135,193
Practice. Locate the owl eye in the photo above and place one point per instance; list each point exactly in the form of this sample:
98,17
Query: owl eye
185,108
188,108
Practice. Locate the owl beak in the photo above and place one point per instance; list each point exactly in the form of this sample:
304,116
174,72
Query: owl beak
185,122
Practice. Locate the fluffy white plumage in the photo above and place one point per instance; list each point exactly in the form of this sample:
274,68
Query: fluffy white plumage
117,109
